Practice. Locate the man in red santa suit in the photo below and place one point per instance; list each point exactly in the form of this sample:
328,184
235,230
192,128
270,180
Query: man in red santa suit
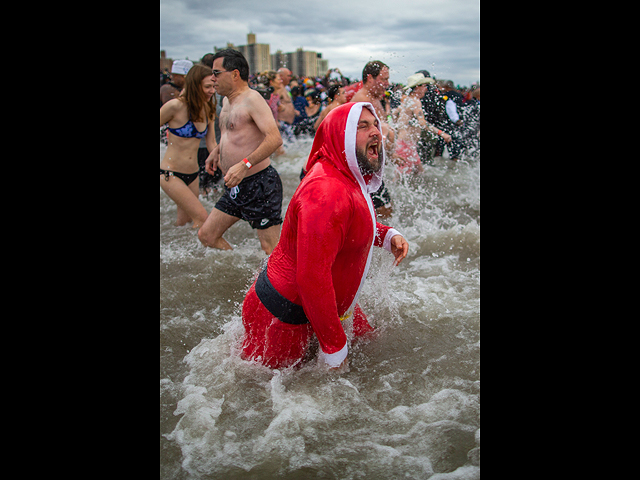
315,274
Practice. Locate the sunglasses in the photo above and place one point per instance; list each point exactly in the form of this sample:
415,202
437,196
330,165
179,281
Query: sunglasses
218,72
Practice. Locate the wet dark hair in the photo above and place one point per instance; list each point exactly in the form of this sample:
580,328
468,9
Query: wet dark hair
331,93
372,68
207,60
234,60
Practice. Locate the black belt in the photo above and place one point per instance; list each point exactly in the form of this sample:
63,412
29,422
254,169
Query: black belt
280,307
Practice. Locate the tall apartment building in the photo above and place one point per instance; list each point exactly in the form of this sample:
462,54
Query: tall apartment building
323,65
279,60
258,55
304,63
301,62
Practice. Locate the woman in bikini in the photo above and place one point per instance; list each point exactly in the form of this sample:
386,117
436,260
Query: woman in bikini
189,117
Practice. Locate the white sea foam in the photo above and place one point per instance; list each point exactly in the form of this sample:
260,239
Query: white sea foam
409,406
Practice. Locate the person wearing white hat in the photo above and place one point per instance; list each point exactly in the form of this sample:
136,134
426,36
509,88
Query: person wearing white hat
418,79
172,90
410,122
181,67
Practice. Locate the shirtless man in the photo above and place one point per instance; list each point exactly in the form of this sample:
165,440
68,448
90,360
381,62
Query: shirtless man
249,135
375,81
172,90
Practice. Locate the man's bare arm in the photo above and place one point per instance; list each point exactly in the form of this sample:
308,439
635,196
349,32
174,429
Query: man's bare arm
210,139
262,116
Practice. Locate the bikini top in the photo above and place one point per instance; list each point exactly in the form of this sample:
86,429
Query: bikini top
188,130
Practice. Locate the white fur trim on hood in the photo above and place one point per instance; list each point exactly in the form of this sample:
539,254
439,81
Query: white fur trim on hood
350,148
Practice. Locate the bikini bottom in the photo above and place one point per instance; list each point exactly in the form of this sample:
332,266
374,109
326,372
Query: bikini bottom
187,178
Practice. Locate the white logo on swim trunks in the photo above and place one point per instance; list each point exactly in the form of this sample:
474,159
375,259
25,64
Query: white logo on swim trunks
264,222
234,192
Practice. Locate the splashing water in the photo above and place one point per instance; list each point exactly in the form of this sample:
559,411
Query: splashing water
409,406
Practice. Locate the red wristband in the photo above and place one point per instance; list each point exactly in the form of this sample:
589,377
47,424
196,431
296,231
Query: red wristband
246,162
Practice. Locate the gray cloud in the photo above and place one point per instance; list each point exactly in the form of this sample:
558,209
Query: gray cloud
442,36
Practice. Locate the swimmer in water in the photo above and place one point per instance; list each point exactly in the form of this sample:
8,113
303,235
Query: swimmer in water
410,123
314,276
190,118
336,98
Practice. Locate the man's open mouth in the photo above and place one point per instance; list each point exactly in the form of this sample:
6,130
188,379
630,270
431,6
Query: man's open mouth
372,151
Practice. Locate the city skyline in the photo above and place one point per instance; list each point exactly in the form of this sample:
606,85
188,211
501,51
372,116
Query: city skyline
302,63
442,36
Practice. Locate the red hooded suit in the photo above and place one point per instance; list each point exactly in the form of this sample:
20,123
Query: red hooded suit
323,255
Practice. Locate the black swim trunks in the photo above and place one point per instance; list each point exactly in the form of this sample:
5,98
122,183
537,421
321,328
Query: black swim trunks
258,199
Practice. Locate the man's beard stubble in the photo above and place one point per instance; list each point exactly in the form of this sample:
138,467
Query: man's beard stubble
366,167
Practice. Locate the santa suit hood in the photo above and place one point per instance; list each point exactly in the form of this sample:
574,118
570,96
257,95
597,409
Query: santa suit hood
335,141
328,233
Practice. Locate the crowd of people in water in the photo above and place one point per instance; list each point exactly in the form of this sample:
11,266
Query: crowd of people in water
415,112
224,126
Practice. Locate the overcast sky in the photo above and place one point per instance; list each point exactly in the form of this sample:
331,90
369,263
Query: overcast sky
441,36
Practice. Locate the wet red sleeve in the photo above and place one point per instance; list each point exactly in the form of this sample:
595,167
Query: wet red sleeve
323,221
381,232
